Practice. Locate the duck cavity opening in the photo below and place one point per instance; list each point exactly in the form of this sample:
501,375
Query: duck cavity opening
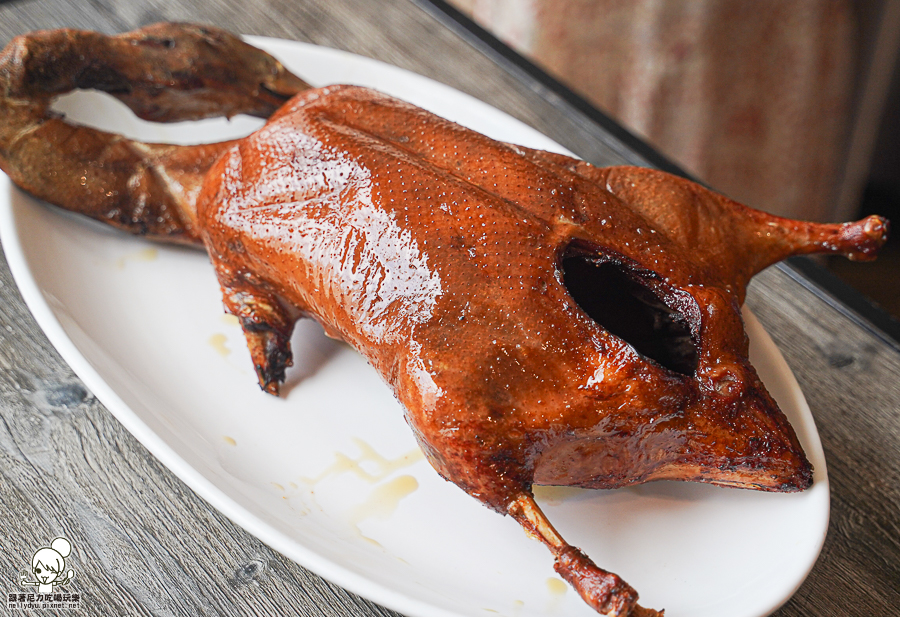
621,302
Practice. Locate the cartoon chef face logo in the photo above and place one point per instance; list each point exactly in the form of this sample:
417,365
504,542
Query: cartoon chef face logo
48,567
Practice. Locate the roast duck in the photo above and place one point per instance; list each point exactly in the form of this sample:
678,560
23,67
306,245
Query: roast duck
541,320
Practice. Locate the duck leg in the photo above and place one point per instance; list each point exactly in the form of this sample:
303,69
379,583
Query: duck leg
604,591
266,320
712,225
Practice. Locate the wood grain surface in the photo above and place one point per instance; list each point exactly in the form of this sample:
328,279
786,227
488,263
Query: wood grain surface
149,546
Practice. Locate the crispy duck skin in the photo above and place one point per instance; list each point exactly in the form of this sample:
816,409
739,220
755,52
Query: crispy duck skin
541,320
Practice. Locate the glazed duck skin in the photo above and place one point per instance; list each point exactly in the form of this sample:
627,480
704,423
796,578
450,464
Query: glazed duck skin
540,320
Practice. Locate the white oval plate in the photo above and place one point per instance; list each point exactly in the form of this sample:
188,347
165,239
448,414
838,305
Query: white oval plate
330,475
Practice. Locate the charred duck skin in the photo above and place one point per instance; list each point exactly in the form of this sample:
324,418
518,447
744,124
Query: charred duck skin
541,320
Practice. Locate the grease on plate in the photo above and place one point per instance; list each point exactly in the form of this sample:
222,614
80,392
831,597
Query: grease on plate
219,343
382,502
383,466
556,586
147,254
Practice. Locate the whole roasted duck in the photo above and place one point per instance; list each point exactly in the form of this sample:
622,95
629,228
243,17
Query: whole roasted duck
541,320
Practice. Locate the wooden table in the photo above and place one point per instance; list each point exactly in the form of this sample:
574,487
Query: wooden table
70,468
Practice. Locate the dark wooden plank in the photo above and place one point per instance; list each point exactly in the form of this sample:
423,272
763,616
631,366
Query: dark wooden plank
149,545
849,377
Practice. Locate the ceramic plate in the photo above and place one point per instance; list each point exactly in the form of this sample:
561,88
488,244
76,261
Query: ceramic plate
330,475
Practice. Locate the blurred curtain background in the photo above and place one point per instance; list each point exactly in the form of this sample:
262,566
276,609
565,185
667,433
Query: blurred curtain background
790,107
